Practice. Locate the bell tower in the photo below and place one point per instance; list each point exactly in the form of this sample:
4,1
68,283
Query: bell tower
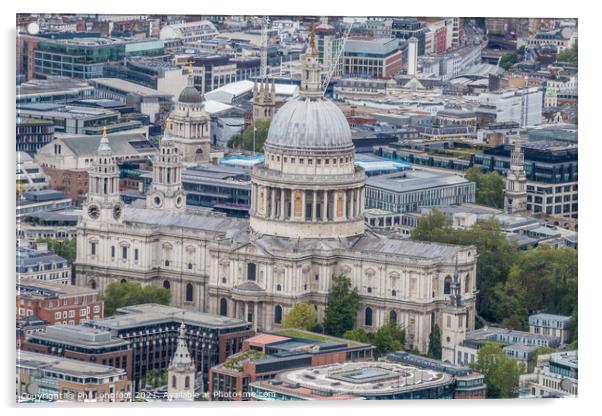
454,320
181,372
311,71
264,100
103,203
166,189
515,198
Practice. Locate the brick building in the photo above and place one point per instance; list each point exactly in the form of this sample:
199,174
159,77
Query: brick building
57,303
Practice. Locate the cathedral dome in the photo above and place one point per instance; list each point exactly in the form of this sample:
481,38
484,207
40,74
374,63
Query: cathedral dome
190,95
305,124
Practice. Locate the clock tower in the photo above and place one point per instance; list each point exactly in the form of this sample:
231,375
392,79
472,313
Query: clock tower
166,189
103,203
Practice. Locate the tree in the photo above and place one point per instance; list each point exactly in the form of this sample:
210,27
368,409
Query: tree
342,307
155,378
302,316
500,371
434,350
541,279
489,187
65,248
569,55
433,227
358,335
119,295
388,338
496,252
245,140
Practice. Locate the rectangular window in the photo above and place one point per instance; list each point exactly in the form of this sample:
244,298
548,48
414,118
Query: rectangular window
124,253
251,271
93,249
113,251
71,314
135,254
96,309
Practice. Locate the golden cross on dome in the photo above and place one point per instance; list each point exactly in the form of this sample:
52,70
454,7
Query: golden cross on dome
104,131
167,124
190,67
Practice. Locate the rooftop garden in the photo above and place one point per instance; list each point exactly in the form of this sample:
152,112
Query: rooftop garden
236,362
314,336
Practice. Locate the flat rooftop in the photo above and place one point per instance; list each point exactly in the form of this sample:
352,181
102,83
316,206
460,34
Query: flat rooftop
364,378
80,336
151,313
413,180
29,287
128,87
77,368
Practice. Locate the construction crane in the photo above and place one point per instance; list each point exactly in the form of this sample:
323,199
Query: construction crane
264,47
334,65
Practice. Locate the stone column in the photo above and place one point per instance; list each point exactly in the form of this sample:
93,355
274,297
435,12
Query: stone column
303,206
246,311
273,203
282,193
266,212
313,207
345,204
325,207
255,315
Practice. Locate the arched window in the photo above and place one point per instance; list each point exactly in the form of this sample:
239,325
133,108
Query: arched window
189,292
279,287
393,317
467,283
187,382
123,281
278,314
368,317
92,284
447,285
223,307
173,381
166,284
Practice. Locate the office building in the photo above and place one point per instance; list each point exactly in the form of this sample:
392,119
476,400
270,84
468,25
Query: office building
523,106
376,58
53,89
556,376
30,177
408,191
152,332
357,380
38,201
51,378
84,57
557,326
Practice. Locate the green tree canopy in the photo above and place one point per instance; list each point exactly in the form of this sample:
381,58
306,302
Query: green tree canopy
496,252
387,338
500,371
489,187
302,316
342,307
434,350
119,295
358,335
542,279
569,55
245,140
65,248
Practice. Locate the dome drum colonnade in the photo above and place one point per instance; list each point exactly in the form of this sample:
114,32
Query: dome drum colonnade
308,186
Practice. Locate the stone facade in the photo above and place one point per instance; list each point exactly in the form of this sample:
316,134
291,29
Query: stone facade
258,269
